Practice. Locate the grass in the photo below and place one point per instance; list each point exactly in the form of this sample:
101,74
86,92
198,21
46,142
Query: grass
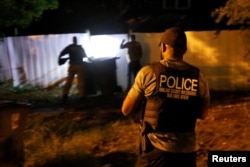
90,133
60,139
93,133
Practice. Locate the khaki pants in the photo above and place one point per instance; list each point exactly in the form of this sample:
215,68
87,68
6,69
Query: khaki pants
78,70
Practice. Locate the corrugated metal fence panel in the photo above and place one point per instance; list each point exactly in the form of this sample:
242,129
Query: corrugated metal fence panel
222,57
33,59
4,61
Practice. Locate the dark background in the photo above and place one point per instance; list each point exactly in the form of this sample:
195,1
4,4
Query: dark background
108,17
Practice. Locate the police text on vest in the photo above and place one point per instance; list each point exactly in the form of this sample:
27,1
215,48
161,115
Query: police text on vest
178,87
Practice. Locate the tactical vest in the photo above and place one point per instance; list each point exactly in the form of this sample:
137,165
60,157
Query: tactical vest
175,104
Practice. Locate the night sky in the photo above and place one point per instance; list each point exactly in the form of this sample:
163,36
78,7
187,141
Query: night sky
77,16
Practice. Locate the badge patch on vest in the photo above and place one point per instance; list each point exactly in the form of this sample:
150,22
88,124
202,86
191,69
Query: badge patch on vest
178,87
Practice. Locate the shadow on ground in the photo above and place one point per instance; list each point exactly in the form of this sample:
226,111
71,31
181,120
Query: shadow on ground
116,159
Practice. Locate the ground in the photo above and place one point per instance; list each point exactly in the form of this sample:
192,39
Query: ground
227,126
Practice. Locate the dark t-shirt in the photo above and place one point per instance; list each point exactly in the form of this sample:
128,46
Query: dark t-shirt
134,50
76,53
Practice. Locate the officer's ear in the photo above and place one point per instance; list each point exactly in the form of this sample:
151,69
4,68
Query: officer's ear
164,47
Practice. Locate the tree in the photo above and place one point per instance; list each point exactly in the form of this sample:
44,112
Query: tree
23,12
235,12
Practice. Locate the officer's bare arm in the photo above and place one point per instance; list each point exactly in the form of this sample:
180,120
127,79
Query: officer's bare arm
122,45
129,106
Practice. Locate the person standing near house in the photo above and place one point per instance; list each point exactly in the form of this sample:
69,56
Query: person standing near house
174,94
76,67
135,54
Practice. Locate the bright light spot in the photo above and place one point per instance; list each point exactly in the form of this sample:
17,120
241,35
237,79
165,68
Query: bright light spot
36,37
104,46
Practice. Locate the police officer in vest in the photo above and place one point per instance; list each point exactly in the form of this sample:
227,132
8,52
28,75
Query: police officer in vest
174,95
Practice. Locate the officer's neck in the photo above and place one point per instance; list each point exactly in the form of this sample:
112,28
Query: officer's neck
172,56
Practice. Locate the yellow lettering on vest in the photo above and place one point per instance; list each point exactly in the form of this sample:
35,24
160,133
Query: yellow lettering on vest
194,85
170,95
171,82
177,83
163,79
186,84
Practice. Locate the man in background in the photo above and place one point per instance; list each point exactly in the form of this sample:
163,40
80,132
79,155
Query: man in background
135,54
76,54
175,95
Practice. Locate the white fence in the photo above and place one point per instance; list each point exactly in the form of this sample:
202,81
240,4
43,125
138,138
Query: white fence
33,59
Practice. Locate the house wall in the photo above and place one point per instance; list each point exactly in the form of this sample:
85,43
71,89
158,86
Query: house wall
33,59
224,57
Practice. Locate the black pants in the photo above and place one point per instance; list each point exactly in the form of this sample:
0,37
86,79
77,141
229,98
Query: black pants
158,158
133,68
